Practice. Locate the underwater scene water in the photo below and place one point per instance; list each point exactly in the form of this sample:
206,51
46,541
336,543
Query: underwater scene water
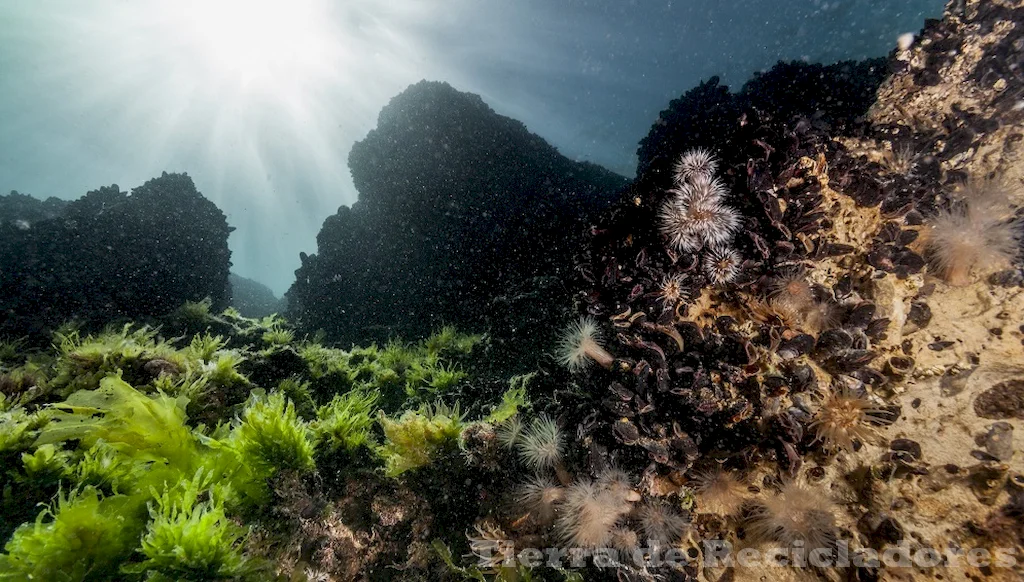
512,291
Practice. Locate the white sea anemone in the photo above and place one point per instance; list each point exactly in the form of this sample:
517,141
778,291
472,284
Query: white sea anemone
541,445
540,497
660,522
977,233
719,491
590,514
722,265
672,291
581,344
693,163
509,432
701,188
798,513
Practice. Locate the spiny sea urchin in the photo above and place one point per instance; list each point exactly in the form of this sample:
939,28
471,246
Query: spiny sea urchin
581,343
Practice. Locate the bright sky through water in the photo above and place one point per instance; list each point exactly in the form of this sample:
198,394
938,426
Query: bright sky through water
260,100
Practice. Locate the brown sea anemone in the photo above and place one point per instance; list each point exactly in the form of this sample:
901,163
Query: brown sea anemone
719,491
797,513
977,233
581,344
844,416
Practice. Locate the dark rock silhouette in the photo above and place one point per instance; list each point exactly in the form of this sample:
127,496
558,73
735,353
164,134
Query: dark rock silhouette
252,298
110,256
462,214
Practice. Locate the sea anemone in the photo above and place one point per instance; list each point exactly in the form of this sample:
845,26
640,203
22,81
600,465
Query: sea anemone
541,445
540,496
974,234
702,188
591,512
790,286
581,343
798,513
510,431
694,163
660,522
722,265
845,416
671,291
490,545
719,491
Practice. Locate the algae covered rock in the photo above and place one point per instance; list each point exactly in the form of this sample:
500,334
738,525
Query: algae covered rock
458,207
111,255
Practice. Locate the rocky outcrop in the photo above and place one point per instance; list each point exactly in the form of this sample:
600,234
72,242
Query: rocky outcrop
110,255
252,298
462,212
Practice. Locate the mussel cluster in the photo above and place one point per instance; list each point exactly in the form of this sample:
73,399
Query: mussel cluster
736,367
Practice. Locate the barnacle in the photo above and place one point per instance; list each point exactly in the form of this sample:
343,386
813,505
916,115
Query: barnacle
581,343
844,416
797,513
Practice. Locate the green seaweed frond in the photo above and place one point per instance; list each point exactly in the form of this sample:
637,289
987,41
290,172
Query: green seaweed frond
298,392
104,468
271,437
204,346
18,429
83,536
511,401
418,437
196,311
190,537
139,426
223,371
46,465
448,340
277,336
83,362
345,422
11,351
